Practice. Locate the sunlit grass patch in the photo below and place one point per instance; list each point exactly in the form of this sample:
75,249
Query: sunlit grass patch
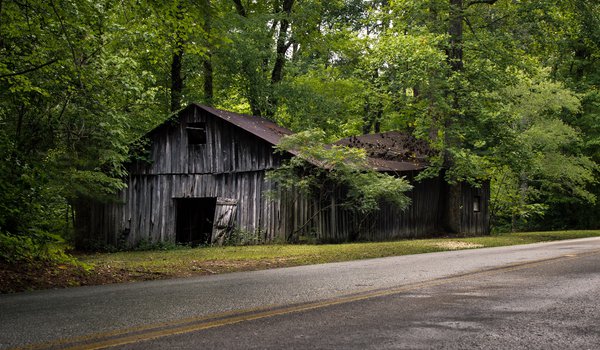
208,260
102,268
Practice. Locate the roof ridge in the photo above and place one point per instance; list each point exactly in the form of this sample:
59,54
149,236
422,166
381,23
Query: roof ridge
256,125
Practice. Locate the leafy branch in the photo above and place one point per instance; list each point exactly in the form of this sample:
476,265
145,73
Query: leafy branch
32,69
336,175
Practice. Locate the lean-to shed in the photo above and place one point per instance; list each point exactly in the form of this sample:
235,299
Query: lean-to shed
436,205
206,177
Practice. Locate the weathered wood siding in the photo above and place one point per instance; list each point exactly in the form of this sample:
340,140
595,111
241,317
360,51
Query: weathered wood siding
459,214
475,222
329,223
333,224
147,211
148,208
227,149
420,219
233,164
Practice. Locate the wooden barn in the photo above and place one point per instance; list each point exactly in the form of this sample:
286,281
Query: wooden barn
206,177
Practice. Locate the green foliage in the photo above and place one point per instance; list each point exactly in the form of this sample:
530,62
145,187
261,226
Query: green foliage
543,164
324,172
123,246
514,203
80,81
239,237
71,99
35,247
321,98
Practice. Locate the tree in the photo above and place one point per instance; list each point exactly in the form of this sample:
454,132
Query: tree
175,39
545,165
503,90
335,174
69,98
266,23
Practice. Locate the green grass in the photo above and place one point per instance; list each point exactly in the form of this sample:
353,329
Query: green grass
208,260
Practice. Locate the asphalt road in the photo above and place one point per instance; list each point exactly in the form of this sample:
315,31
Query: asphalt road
534,296
555,305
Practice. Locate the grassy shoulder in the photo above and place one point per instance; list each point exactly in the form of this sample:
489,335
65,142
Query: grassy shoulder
102,268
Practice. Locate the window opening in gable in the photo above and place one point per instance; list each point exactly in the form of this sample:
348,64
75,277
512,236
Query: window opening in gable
196,133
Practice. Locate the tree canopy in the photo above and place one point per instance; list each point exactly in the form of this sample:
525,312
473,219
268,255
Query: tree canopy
503,90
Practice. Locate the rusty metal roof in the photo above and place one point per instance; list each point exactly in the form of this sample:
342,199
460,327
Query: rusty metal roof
388,151
392,150
261,127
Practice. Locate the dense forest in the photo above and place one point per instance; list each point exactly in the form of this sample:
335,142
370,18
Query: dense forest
504,90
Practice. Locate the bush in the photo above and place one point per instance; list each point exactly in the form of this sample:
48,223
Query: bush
243,237
145,245
123,246
36,246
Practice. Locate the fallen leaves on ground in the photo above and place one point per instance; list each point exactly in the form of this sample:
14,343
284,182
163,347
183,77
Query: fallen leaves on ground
24,277
456,245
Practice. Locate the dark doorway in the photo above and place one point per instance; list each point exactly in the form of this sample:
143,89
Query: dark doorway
195,219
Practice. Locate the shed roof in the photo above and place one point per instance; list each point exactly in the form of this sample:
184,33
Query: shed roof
392,150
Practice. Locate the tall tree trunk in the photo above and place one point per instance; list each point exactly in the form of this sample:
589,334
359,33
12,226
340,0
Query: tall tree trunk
176,79
367,121
253,99
1,32
282,46
454,55
176,67
455,33
372,117
282,43
254,107
373,111
240,8
208,79
378,115
207,62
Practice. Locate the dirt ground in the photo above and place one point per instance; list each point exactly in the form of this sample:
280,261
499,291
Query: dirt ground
21,277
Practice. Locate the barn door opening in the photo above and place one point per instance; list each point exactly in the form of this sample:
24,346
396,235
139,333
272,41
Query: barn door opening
195,219
224,219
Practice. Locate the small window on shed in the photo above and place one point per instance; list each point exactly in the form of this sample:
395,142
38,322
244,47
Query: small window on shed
196,133
477,204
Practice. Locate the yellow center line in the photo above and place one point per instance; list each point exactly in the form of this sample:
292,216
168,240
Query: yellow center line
136,329
125,336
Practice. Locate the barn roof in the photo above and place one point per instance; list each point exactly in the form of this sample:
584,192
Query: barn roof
261,127
388,151
392,150
258,126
